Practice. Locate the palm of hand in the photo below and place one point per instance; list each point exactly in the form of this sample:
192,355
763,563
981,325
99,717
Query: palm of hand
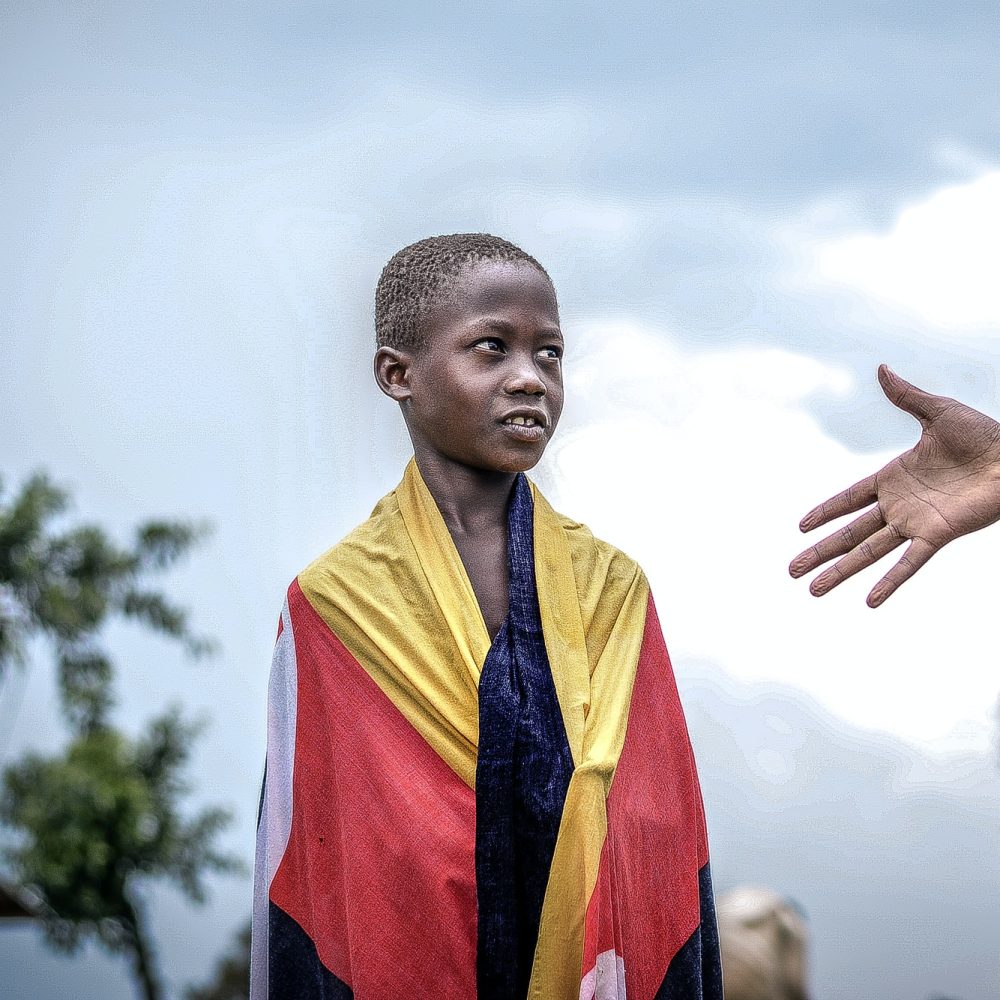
947,485
944,487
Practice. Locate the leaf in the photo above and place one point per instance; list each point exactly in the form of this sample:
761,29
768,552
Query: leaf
161,543
85,682
66,586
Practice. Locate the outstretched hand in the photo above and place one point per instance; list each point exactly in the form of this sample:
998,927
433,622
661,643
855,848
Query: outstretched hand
945,486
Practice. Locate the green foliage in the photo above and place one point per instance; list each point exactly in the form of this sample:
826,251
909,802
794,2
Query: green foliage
85,677
66,585
100,818
91,826
231,979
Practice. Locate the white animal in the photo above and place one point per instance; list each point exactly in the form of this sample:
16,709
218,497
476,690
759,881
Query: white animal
764,940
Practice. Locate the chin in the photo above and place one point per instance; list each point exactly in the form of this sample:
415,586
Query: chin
504,462
515,463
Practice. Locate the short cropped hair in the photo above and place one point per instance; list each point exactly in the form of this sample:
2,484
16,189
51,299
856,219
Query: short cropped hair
420,275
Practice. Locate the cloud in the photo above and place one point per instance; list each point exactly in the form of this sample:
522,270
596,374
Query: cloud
699,464
938,261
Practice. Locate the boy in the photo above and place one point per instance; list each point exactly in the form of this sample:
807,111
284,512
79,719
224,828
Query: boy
479,781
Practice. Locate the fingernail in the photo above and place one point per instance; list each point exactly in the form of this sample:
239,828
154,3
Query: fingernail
876,597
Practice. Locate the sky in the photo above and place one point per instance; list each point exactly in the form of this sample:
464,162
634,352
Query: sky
744,208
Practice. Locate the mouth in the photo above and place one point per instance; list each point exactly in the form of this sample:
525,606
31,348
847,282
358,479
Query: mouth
525,425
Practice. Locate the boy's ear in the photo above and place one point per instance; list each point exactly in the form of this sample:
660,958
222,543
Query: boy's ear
392,372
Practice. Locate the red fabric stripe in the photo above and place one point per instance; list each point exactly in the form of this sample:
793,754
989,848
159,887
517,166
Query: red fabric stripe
646,903
380,865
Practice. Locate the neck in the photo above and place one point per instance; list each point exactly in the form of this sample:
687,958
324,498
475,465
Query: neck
470,500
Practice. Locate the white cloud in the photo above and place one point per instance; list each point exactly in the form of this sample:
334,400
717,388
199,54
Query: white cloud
700,465
938,261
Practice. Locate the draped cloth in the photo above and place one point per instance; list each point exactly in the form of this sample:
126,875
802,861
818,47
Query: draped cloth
443,816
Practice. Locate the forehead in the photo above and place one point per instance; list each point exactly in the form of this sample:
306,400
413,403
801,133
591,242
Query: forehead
515,291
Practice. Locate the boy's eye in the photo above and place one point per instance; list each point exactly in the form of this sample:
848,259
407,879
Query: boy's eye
490,343
553,353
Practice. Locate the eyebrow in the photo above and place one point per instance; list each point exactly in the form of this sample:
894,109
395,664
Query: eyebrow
502,326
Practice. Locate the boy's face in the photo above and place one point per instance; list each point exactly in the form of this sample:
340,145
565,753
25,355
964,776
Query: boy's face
486,388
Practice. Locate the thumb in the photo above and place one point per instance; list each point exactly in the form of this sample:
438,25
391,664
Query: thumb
908,397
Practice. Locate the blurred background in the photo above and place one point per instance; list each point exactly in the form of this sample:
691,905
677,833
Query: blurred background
744,208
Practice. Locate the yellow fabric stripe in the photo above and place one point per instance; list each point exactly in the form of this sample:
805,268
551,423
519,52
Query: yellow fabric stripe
616,637
444,570
396,594
562,625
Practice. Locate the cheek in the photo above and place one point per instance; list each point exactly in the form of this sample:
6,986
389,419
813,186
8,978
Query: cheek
556,398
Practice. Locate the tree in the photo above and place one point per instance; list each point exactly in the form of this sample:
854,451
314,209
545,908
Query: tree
93,824
231,979
99,820
66,585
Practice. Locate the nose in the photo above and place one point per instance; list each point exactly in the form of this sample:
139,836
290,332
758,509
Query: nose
524,380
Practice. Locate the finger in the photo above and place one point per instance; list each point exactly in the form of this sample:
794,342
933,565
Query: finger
861,494
916,554
922,405
838,543
868,552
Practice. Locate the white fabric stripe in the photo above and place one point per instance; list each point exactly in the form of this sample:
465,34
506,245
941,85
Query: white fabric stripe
276,812
606,980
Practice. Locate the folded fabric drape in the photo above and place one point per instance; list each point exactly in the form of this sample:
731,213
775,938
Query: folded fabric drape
445,816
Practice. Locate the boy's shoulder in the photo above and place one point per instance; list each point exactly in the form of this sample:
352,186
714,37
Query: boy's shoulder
612,591
594,560
378,534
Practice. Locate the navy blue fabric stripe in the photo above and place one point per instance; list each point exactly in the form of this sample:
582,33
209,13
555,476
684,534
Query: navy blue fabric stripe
522,772
260,801
294,971
695,972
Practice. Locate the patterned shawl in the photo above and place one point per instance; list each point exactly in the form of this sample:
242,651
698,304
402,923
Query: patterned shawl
443,816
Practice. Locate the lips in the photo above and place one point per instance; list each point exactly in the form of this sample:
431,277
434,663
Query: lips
525,425
525,418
